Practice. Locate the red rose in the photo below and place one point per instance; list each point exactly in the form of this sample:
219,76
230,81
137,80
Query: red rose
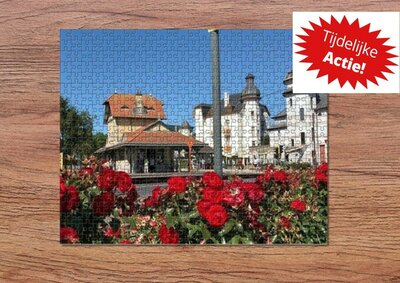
268,175
298,205
176,184
107,180
109,232
255,195
260,179
125,242
63,189
69,198
212,195
323,167
148,202
285,222
254,192
86,171
233,198
280,176
124,181
156,193
154,199
203,206
212,179
168,236
103,204
68,235
321,176
103,170
216,215
131,197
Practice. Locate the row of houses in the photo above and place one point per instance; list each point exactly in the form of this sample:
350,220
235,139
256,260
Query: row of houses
138,136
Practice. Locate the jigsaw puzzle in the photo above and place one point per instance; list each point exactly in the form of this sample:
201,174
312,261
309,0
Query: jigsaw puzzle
142,161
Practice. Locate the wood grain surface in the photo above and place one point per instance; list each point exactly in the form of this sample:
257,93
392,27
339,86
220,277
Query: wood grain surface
364,134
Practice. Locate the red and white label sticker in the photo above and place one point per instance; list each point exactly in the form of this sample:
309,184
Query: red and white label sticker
346,52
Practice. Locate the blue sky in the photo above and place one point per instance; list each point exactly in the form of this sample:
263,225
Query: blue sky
173,65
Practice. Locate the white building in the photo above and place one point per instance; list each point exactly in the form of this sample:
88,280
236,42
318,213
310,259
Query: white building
300,131
244,122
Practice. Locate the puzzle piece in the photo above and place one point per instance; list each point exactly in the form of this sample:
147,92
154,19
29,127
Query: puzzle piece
140,101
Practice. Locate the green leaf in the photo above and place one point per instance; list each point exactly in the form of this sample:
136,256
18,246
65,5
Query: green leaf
227,227
246,241
206,233
239,227
171,220
223,241
192,229
193,214
235,240
169,210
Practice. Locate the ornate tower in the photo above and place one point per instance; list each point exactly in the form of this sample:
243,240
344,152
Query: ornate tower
250,131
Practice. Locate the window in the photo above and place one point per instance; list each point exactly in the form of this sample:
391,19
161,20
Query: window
291,102
292,142
253,143
301,114
253,130
252,113
303,138
312,133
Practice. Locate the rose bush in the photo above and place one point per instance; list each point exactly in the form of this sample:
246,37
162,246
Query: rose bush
99,205
92,200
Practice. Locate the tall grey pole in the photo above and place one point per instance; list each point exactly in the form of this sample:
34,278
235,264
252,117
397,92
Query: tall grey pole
216,89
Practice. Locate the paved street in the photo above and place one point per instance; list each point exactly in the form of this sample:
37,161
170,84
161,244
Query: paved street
145,189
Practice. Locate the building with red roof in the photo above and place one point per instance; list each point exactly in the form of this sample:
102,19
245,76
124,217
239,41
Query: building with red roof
138,140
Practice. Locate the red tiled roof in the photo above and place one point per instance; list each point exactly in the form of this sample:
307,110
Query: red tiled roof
121,105
159,137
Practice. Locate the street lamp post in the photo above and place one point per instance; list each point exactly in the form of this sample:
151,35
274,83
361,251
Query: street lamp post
190,145
216,95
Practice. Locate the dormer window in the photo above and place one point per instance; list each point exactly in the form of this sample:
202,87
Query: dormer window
124,107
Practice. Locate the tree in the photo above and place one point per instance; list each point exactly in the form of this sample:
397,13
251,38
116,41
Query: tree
265,140
76,131
99,140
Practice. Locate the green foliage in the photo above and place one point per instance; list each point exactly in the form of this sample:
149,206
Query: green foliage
76,131
77,138
296,166
265,140
99,140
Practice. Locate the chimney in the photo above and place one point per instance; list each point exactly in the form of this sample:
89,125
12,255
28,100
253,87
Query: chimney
139,108
226,99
